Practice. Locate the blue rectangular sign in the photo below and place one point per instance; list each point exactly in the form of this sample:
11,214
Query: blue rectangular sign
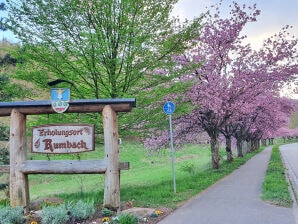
60,94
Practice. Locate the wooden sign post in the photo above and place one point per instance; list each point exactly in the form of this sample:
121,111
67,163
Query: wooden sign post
112,181
20,167
18,190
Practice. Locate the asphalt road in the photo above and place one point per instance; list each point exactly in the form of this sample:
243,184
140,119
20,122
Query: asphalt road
290,157
236,198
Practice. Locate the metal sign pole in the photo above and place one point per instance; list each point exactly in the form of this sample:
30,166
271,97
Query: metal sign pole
169,108
172,152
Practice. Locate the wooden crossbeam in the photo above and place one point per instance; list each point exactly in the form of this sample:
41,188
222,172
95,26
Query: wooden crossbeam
75,106
67,166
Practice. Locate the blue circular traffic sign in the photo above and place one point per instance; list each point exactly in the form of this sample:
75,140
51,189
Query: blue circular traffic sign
169,107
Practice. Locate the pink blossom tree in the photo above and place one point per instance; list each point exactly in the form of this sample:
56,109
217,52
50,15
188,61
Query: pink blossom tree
233,78
265,117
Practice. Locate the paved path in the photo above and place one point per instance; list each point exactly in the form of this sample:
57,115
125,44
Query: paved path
235,200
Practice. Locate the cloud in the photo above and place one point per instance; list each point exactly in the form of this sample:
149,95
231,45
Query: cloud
188,9
275,14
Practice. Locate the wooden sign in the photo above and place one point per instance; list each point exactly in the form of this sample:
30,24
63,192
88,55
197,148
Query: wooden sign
63,138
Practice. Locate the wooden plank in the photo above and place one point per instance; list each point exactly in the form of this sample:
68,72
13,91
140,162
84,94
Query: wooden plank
4,168
67,166
98,108
112,180
75,106
18,182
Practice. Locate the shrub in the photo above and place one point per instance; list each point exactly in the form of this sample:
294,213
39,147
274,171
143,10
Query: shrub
4,203
10,215
4,132
4,156
107,212
3,186
67,212
80,210
189,168
125,218
54,215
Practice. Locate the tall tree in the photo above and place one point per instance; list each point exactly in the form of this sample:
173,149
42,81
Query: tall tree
214,96
104,48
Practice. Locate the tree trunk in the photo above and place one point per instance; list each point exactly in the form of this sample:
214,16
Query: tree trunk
258,144
239,148
249,146
229,149
253,145
271,141
215,152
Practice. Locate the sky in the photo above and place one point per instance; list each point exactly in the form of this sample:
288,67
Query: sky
274,15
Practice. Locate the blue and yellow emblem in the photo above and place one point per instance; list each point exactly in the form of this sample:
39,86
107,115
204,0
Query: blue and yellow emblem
60,98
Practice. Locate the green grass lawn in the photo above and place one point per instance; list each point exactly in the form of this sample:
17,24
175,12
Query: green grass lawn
145,171
148,182
275,186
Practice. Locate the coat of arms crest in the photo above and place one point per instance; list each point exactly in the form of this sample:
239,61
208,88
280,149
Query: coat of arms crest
60,98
